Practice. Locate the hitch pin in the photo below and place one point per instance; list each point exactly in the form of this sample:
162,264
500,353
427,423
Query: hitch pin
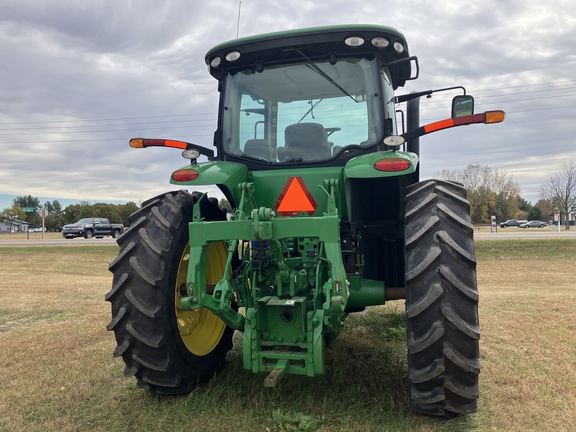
276,375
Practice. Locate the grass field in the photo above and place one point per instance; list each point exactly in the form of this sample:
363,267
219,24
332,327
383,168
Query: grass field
57,372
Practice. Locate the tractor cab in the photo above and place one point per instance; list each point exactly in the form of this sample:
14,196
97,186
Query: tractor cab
314,97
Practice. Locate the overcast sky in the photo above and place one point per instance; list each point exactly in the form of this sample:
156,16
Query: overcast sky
80,78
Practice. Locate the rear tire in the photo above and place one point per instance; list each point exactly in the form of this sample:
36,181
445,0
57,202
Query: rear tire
168,350
441,300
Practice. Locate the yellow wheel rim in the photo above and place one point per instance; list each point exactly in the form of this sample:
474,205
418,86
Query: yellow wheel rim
200,330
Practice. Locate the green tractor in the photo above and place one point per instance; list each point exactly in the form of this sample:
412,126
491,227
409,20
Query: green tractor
329,217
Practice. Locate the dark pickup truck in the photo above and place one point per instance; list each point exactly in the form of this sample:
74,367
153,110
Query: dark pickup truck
92,227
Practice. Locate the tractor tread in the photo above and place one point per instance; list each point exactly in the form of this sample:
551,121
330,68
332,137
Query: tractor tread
117,287
424,264
433,294
434,333
142,297
441,300
451,278
428,226
148,310
472,331
116,318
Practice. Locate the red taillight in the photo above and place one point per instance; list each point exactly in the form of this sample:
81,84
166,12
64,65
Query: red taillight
184,175
392,164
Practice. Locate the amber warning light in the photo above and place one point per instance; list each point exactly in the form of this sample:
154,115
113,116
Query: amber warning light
151,142
191,151
487,117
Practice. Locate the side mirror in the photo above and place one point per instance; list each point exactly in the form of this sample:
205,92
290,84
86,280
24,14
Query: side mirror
462,105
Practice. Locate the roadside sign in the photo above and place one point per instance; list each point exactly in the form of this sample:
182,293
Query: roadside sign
28,209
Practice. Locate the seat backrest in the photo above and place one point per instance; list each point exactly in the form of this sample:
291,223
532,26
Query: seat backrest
308,141
258,148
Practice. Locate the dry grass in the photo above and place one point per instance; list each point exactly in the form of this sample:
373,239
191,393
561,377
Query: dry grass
528,320
53,339
57,372
29,236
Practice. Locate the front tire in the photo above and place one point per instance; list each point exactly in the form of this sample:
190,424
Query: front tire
441,300
168,350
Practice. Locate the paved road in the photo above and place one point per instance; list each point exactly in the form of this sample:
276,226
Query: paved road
536,233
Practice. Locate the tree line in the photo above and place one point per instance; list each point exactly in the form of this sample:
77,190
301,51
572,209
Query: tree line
494,192
59,216
491,192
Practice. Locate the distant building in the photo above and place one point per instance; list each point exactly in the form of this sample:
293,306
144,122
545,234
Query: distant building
562,216
13,226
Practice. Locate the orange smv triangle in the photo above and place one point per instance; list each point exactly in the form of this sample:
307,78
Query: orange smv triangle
295,198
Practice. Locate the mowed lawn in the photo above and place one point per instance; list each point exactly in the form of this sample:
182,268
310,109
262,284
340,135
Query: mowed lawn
57,372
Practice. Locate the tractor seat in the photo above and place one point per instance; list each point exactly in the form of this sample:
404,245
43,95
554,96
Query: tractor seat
307,141
258,148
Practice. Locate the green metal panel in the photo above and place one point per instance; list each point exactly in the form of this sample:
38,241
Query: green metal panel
307,309
363,166
222,174
268,185
307,31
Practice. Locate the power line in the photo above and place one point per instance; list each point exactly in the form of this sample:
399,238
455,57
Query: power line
105,139
106,119
194,122
97,131
105,125
526,85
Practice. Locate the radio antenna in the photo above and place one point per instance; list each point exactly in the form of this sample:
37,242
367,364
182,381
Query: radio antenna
238,24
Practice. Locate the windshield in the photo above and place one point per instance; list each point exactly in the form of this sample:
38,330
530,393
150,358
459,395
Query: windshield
303,112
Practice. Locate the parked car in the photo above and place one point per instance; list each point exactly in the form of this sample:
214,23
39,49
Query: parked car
534,224
512,223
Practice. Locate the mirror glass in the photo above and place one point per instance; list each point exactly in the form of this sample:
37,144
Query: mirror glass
462,105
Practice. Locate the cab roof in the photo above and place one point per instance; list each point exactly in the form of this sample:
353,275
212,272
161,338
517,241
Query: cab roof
263,50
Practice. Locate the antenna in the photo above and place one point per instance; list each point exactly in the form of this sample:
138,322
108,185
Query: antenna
238,24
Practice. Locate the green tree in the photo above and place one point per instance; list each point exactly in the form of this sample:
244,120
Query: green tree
114,212
532,212
126,210
109,211
54,207
28,201
9,214
75,212
55,218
